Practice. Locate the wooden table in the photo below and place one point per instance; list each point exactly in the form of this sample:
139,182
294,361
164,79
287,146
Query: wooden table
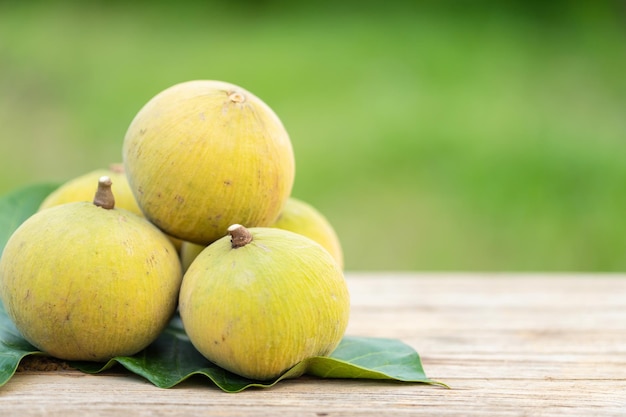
506,344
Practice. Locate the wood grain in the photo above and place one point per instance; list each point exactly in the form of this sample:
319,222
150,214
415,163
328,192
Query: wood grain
506,344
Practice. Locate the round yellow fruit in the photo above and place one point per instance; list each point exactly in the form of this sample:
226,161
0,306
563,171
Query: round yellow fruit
82,188
297,216
86,281
188,253
260,300
204,154
301,217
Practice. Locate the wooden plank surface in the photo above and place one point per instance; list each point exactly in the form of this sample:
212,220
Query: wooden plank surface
506,344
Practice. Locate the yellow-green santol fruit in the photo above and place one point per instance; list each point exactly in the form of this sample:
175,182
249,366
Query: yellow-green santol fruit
301,217
202,155
260,300
297,216
88,281
188,253
81,189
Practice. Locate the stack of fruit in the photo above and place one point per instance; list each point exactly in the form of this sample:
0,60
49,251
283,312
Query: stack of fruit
199,218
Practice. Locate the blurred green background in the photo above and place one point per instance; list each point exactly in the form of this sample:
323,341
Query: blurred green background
434,135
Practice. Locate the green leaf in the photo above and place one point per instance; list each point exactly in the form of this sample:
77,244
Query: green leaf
172,358
13,347
370,358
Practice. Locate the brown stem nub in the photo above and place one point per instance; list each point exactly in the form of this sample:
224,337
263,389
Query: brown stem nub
239,235
236,97
104,196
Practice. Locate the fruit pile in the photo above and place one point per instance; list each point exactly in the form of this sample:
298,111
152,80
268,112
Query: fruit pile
198,221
